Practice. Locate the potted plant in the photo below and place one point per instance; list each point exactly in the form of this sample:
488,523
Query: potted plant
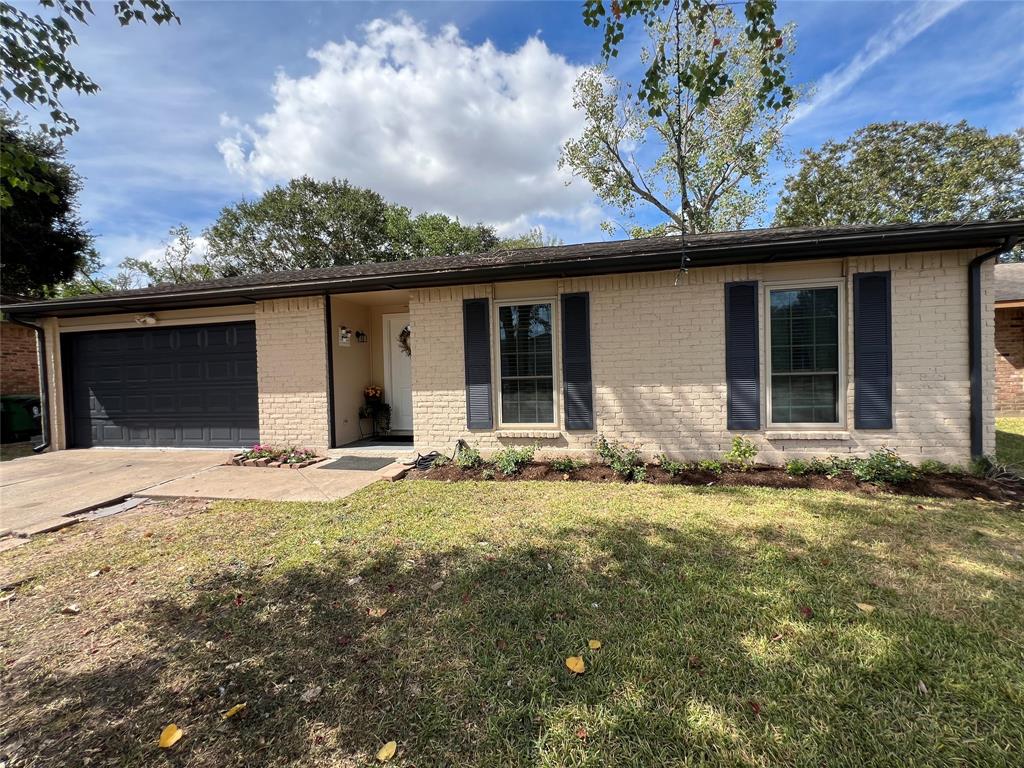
375,409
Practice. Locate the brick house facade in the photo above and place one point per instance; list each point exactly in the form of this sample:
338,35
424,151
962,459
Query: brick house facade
1009,339
808,342
19,361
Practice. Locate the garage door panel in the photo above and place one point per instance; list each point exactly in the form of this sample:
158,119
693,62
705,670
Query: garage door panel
190,386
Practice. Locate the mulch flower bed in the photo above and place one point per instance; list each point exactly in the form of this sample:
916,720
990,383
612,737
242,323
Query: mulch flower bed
946,485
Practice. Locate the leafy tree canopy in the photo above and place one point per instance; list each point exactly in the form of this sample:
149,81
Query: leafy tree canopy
308,224
36,70
893,172
703,168
532,238
704,70
42,240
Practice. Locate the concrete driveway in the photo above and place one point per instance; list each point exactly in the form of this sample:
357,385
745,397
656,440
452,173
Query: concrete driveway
36,492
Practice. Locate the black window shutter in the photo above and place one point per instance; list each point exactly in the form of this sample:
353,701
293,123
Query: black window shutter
476,325
742,369
576,377
872,351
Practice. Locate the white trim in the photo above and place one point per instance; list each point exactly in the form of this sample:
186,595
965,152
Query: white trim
555,363
386,354
766,337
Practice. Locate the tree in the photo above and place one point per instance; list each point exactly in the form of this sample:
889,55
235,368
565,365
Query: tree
91,277
701,166
705,70
904,172
177,265
42,240
532,238
309,224
36,70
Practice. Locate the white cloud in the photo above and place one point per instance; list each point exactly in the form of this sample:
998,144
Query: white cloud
903,29
430,122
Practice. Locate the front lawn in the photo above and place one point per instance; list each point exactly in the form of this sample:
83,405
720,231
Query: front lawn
440,616
1010,441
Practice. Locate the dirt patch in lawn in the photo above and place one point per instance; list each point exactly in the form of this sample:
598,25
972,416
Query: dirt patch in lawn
948,485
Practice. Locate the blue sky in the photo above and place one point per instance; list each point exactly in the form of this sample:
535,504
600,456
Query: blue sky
458,107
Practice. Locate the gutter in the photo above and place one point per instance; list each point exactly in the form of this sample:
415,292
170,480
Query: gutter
974,342
44,393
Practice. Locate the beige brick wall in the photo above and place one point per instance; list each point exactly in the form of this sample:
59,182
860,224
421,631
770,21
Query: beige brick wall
291,356
1009,360
658,359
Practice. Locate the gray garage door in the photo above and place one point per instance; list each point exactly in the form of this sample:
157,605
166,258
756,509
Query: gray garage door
188,386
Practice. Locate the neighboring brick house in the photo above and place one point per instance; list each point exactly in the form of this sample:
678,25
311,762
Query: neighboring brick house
19,360
808,341
1009,340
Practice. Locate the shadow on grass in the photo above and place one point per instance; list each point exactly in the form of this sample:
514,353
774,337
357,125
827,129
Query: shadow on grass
718,649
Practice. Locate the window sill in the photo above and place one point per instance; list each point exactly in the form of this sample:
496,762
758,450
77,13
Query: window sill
536,434
816,434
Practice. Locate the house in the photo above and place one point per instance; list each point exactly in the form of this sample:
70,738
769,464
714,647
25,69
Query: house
1009,339
808,341
19,370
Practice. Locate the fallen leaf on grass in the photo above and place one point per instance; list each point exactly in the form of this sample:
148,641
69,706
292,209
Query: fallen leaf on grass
755,708
376,613
99,571
311,694
575,664
594,645
581,733
386,752
71,609
922,687
169,736
806,611
233,711
866,607
436,586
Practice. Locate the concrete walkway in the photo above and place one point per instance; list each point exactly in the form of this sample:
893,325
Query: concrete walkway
273,483
38,493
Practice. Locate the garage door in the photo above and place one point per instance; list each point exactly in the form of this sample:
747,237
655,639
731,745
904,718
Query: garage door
187,386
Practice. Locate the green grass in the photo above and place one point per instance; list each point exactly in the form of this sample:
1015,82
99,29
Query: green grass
728,616
1010,440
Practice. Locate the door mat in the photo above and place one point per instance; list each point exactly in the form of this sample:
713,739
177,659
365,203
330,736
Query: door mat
361,463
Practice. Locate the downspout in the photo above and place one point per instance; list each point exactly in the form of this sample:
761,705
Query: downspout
974,343
44,390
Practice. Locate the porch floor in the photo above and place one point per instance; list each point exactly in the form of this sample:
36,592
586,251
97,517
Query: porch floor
400,450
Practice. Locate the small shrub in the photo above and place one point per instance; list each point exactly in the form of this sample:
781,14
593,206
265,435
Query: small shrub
467,458
290,455
624,460
714,466
831,466
672,467
440,461
932,467
980,466
742,453
511,460
567,464
797,467
487,474
884,466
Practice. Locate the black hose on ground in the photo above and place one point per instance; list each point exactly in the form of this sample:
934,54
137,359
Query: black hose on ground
426,461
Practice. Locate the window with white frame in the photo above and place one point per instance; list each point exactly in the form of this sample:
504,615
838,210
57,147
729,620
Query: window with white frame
526,363
805,354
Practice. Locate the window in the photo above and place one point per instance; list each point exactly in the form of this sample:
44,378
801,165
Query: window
806,354
526,360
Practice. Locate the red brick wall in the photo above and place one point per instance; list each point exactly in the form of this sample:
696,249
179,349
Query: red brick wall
1010,361
19,372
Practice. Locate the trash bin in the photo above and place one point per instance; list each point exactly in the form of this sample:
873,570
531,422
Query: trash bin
19,417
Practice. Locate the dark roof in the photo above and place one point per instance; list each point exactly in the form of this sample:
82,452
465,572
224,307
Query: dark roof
655,253
1010,282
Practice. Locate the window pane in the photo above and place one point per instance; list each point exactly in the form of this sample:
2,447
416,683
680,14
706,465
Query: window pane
804,355
527,364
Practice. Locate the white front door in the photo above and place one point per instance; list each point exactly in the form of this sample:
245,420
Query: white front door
397,373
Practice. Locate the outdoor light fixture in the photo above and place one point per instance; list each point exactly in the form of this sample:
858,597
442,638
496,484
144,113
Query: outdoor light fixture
361,337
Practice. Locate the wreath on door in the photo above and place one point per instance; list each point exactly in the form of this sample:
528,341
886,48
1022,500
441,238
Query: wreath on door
403,340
